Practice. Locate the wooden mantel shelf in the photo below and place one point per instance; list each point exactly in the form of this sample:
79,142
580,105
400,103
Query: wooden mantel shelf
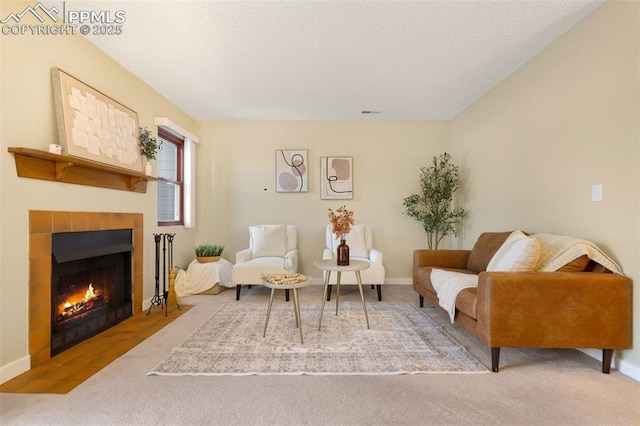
38,164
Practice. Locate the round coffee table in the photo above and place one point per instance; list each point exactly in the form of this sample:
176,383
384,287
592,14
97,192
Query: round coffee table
329,266
296,301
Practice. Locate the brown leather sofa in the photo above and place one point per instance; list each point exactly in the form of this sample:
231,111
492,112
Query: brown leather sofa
562,309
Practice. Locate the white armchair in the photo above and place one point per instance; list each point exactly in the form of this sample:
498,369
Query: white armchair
272,250
360,242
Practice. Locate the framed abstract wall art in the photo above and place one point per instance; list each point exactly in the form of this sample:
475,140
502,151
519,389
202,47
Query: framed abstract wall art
291,170
93,126
336,178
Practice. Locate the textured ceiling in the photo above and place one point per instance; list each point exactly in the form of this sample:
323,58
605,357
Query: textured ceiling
329,60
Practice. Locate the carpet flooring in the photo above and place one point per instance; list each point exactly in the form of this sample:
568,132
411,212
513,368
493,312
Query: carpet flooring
401,340
551,387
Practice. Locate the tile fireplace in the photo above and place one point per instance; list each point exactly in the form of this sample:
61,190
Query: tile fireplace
82,301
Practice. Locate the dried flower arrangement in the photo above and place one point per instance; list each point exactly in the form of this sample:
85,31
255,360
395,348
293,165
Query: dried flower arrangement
341,221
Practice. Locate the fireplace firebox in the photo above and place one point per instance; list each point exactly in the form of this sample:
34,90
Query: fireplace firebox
91,284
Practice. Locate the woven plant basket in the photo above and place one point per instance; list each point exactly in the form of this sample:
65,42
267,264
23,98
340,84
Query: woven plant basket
202,259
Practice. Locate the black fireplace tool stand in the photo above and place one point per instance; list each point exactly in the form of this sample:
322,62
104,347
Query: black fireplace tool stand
164,258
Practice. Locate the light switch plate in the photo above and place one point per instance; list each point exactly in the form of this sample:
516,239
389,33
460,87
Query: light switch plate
596,193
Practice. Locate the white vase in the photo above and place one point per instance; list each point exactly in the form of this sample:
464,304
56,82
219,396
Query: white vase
148,169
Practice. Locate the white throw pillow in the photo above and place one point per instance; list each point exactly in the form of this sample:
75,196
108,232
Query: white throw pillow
517,254
268,240
356,242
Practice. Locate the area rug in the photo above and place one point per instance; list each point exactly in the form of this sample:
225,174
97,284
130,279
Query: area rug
402,339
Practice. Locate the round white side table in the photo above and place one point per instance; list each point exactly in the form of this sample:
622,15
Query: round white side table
296,302
329,266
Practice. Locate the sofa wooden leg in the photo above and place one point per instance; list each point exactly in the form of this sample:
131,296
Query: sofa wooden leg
421,301
329,293
379,288
495,359
286,294
238,291
607,357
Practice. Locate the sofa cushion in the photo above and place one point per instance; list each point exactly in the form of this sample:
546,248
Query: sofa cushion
579,264
518,253
467,301
422,276
597,268
484,249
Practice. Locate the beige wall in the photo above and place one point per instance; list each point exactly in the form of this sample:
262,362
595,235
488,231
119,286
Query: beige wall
532,148
28,120
236,182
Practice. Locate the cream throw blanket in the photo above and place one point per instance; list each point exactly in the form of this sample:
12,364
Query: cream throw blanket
448,284
201,277
558,250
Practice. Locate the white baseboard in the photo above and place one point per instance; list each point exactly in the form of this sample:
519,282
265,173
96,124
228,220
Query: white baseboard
146,304
625,367
399,281
387,281
15,369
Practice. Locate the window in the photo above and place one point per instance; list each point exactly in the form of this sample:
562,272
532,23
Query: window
178,207
170,179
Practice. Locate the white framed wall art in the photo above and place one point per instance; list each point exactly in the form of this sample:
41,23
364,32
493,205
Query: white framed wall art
336,178
291,170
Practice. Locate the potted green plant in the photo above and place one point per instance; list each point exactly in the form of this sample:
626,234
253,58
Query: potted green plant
433,205
149,147
208,253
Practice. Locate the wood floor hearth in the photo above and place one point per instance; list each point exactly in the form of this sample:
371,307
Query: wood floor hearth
65,371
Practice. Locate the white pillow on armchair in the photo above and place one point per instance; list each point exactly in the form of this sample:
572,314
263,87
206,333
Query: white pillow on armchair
356,240
268,240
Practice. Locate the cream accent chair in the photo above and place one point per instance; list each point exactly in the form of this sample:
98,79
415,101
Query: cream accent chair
272,248
360,242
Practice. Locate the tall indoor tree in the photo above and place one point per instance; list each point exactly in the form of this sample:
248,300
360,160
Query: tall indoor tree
433,206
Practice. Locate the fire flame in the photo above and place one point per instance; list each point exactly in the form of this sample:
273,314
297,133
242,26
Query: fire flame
70,308
89,294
